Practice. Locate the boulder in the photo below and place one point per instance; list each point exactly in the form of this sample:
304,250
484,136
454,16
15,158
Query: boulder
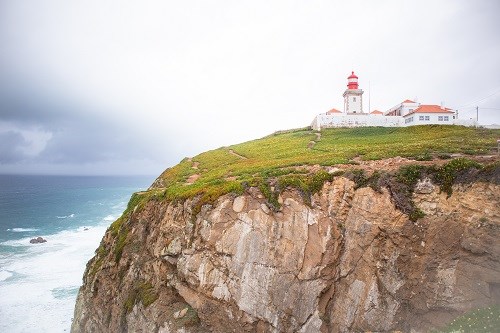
38,240
424,186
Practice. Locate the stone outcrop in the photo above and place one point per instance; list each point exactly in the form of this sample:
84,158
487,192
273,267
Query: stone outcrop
38,240
349,261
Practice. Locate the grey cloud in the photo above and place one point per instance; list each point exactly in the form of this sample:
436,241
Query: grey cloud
28,106
11,144
91,140
181,82
78,136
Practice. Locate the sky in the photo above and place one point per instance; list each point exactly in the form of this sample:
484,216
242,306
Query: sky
133,87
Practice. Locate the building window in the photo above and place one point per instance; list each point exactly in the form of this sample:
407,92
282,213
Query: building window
427,118
440,118
420,117
354,99
446,118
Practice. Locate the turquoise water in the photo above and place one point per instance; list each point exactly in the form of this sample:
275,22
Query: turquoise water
39,282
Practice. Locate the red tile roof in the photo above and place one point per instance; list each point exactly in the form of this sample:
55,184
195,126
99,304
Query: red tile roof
376,112
407,101
333,111
431,109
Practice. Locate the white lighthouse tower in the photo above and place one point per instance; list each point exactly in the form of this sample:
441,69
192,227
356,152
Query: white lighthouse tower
353,97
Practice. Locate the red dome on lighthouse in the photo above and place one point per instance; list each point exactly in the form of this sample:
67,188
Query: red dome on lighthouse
352,81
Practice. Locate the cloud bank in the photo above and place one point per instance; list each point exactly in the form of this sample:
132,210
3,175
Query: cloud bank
97,87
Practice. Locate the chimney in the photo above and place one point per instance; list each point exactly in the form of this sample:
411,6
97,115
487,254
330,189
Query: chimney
442,105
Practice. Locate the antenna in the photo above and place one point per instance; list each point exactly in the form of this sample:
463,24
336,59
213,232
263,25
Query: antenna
369,93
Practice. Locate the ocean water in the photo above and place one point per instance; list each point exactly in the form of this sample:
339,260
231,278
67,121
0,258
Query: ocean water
39,282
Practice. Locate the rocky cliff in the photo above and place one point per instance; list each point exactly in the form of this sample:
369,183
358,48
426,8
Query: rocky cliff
348,260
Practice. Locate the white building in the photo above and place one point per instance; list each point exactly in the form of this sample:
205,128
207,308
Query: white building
406,113
430,114
353,96
402,108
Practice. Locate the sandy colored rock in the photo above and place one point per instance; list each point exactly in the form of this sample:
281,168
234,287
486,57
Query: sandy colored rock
424,186
239,203
348,262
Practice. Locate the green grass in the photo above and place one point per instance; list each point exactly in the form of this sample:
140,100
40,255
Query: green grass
141,292
281,160
98,260
189,319
447,174
483,320
221,172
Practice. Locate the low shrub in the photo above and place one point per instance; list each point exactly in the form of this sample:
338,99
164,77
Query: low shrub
142,292
446,175
484,320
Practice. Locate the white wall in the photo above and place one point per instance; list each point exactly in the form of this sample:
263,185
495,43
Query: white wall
330,121
403,108
408,107
342,120
429,118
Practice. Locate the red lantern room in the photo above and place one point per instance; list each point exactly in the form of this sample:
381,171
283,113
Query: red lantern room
352,81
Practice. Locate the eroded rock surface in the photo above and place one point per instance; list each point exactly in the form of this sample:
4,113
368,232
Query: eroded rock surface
348,262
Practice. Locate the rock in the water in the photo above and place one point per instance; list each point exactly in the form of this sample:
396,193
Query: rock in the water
38,240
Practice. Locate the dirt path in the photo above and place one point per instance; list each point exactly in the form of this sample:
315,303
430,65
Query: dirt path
237,155
192,178
311,143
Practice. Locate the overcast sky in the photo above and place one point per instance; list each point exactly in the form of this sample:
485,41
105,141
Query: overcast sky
132,87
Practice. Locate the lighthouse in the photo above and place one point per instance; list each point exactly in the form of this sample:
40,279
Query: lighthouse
353,96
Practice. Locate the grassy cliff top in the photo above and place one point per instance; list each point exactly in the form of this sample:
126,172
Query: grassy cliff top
300,159
228,169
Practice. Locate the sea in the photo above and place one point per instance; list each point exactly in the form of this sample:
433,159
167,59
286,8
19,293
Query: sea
39,282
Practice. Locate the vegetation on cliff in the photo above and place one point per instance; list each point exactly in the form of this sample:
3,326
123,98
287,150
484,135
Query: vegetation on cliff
285,159
484,320
228,168
288,159
394,162
297,159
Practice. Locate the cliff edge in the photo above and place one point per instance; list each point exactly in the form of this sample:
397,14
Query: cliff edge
389,245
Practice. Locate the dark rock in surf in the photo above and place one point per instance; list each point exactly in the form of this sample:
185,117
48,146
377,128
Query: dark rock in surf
38,240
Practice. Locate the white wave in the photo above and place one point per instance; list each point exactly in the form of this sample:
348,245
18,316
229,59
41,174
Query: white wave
4,275
22,229
66,217
120,206
43,280
109,218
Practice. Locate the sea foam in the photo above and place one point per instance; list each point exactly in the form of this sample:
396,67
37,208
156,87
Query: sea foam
45,282
66,216
22,229
4,275
109,218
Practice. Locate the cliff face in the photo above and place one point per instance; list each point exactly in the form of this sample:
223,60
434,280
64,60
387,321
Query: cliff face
349,261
